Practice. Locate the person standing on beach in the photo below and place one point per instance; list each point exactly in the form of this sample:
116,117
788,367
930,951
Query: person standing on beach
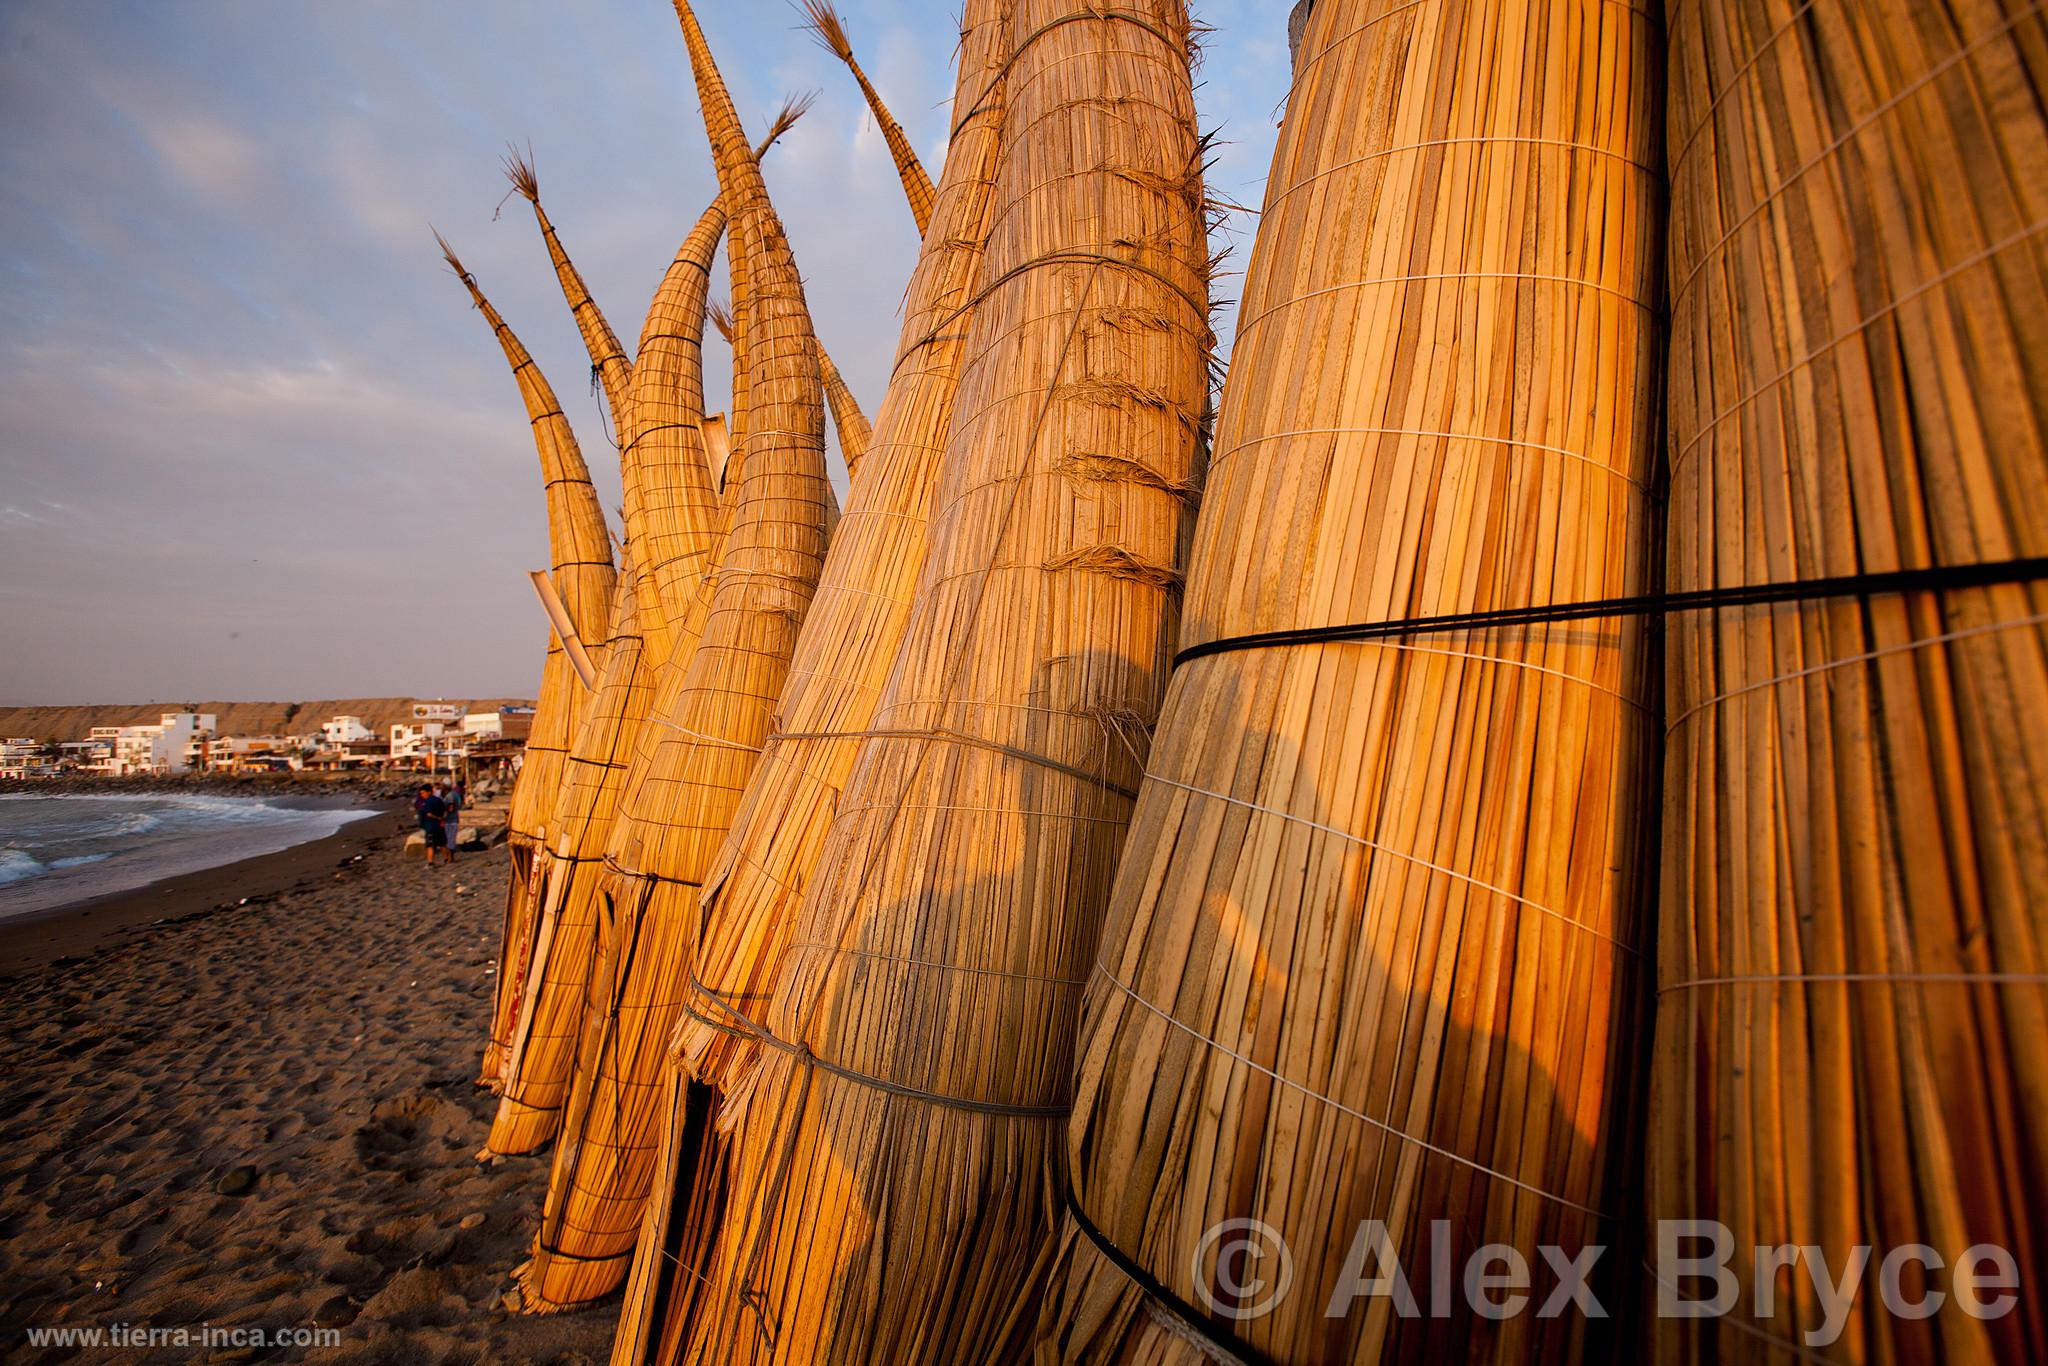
432,812
452,797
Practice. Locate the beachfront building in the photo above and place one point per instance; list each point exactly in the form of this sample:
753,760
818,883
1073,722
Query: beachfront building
175,742
252,753
18,756
102,743
410,738
428,744
350,755
343,731
483,725
89,754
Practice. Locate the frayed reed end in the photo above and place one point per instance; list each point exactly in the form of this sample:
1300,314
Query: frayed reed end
721,318
519,170
1118,393
454,261
825,25
1114,561
1125,725
530,1300
793,109
1093,467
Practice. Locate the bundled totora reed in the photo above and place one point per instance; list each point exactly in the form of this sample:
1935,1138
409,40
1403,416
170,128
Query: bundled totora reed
700,742
668,487
854,431
672,512
824,21
1852,1035
855,434
843,658
541,1054
580,552
544,968
614,368
892,1177
1373,959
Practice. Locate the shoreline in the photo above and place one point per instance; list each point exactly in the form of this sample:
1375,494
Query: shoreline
80,929
372,784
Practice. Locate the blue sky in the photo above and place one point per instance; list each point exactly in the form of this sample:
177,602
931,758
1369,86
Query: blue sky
253,441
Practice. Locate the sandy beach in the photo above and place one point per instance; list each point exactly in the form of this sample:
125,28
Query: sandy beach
264,1115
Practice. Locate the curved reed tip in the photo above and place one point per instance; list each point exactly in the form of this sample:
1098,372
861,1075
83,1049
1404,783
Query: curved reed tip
448,253
793,108
519,170
721,318
822,20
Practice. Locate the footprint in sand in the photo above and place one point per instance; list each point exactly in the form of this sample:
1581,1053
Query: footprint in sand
410,1131
143,1237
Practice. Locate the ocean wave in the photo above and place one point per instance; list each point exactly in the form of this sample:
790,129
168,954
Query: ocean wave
17,865
74,848
78,860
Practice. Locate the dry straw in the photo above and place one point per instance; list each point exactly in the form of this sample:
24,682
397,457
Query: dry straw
648,479
664,451
672,513
704,741
608,360
672,510
580,551
541,1054
891,1178
849,643
1852,1037
1374,951
855,434
672,518
824,21
559,890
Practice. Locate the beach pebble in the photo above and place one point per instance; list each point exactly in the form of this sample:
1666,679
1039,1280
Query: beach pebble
473,1220
336,1312
511,1302
238,1181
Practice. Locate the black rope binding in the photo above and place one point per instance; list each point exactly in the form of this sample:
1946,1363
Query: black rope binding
1192,1318
1929,578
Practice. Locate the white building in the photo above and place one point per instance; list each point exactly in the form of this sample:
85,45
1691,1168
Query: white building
344,730
428,743
408,739
18,756
483,725
88,754
104,740
176,742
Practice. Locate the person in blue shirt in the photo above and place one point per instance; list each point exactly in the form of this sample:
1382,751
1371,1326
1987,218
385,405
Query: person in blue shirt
432,813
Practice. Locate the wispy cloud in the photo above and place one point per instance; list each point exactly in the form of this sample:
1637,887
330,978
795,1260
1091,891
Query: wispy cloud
255,440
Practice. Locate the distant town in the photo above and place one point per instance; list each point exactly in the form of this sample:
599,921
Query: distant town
438,737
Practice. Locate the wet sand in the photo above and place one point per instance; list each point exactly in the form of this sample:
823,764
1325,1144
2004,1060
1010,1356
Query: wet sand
325,1035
